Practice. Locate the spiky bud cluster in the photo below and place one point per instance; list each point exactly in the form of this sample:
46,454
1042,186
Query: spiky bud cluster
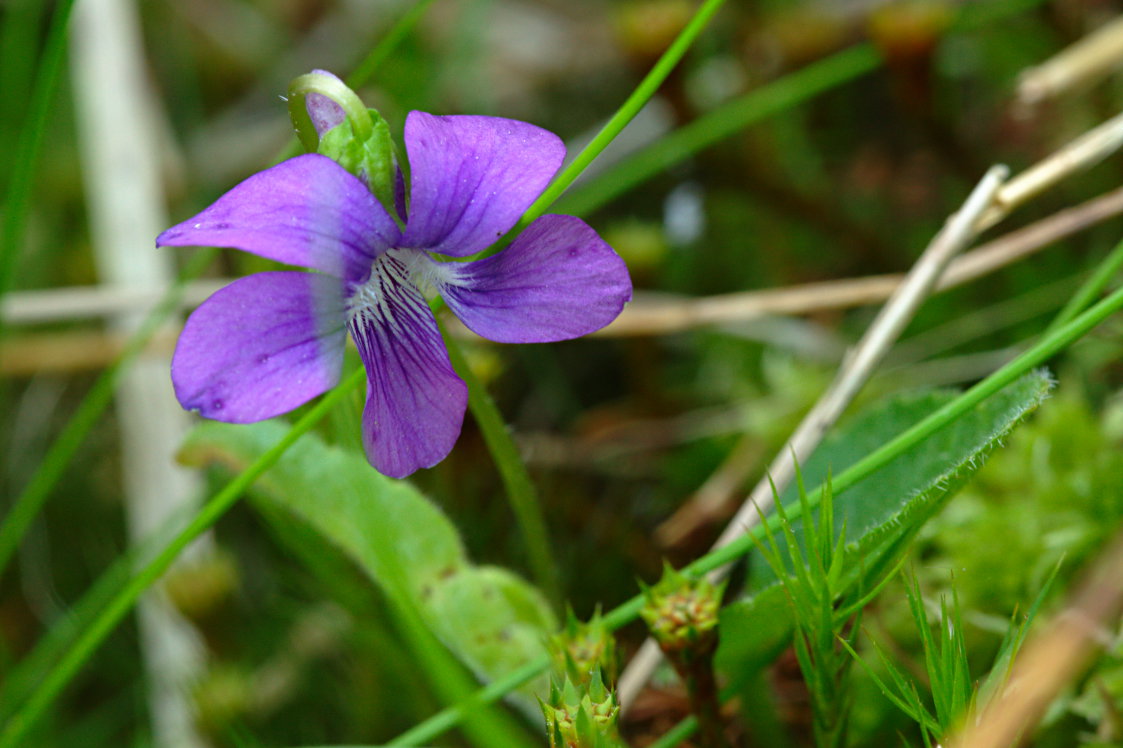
581,716
580,649
682,614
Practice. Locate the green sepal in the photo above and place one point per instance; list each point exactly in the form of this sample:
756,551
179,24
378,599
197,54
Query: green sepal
371,160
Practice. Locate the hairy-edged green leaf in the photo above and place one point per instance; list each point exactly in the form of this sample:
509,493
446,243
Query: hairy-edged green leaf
394,534
502,617
883,511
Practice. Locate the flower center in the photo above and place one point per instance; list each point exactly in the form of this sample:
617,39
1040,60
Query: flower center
399,276
391,276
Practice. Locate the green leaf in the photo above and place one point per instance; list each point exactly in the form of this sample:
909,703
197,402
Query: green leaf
882,512
399,538
500,618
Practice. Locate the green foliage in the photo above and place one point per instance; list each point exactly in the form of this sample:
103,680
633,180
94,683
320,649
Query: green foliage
815,590
882,513
1056,490
581,715
582,648
492,620
952,692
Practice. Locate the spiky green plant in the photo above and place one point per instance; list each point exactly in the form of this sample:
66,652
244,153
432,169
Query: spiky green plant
581,715
682,616
582,648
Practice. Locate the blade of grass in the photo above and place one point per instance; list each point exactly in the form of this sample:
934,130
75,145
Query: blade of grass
19,43
1090,289
627,111
370,64
123,602
750,108
729,118
62,450
30,143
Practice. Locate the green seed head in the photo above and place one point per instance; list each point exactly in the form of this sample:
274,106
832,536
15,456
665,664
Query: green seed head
682,613
581,716
582,648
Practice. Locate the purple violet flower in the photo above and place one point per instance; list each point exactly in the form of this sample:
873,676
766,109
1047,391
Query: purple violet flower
270,342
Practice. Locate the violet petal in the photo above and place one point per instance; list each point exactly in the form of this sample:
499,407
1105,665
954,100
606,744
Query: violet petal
415,401
472,178
261,346
307,211
558,280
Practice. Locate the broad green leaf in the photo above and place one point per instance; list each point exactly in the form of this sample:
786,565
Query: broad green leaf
502,616
882,512
399,538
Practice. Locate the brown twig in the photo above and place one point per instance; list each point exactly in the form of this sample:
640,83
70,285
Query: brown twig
661,315
1081,64
649,314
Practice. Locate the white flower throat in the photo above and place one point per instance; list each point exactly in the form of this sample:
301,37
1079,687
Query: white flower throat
395,276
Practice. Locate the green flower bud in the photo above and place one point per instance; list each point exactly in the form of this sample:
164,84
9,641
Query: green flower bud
580,649
331,119
682,615
370,159
581,716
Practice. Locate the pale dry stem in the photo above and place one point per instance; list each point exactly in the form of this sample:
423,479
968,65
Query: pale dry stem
1079,65
957,233
662,315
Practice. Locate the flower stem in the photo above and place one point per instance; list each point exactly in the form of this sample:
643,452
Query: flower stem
627,612
123,601
516,479
701,687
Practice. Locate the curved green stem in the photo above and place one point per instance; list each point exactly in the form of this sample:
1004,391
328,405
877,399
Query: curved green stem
123,601
521,493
